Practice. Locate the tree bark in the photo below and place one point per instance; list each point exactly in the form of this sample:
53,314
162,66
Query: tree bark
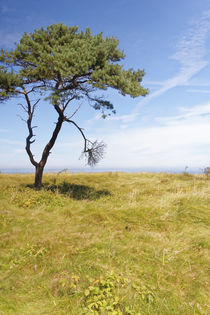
40,166
38,176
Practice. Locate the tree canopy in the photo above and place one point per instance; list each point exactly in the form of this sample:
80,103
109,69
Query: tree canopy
64,65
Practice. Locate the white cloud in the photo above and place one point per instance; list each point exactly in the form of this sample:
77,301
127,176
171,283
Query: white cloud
191,47
125,118
198,91
197,112
177,141
191,56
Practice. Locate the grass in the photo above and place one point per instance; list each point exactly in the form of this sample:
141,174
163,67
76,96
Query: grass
110,243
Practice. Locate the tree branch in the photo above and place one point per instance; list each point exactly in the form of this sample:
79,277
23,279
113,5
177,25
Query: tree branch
76,110
22,118
34,106
30,112
36,87
80,130
23,107
69,100
93,151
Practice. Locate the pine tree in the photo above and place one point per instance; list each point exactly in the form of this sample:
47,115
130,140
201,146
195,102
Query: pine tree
63,65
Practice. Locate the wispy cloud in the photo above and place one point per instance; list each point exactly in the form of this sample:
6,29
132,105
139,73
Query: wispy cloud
191,56
191,47
198,91
196,112
125,118
175,141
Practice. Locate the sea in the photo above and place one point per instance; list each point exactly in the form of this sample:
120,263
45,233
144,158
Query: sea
170,170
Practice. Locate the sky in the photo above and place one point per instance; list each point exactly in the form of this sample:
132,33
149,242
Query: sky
169,128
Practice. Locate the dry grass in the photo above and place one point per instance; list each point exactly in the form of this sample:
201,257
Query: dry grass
150,229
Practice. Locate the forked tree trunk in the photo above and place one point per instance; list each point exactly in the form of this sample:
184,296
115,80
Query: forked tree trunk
39,167
38,176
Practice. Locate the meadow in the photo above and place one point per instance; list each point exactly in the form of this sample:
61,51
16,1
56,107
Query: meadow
108,243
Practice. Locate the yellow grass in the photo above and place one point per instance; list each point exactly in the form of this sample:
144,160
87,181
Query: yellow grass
110,243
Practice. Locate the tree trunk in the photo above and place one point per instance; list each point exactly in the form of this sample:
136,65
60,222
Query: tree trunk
38,176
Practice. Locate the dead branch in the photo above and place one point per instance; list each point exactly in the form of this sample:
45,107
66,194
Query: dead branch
23,107
22,118
30,112
93,151
34,106
76,110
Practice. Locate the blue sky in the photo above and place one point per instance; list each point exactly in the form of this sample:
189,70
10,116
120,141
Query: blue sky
170,127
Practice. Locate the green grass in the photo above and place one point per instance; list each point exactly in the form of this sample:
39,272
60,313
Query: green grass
110,243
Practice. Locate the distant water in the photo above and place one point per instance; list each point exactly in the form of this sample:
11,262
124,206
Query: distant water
172,170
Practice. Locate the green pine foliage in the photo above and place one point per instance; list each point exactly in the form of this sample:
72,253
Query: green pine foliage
62,65
67,63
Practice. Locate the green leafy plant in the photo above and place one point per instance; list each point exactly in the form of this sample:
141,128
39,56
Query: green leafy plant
105,296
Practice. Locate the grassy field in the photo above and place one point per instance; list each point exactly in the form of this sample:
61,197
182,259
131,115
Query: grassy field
110,243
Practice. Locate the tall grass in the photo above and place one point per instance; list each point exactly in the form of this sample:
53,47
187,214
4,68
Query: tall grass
110,243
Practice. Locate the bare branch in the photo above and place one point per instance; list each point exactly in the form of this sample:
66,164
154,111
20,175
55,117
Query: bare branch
81,82
80,130
23,107
22,118
20,92
93,151
36,87
30,112
69,100
34,106
76,110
